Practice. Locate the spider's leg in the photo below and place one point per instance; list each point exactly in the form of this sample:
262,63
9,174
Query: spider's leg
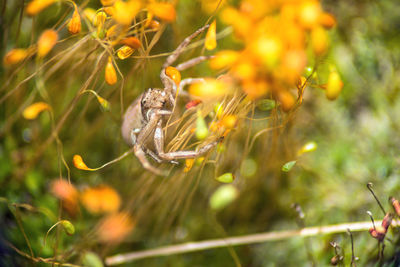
192,62
171,156
171,58
152,154
167,82
139,153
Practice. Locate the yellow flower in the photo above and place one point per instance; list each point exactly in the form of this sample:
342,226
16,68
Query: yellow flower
211,36
31,112
110,73
15,56
74,25
113,228
164,11
101,199
36,6
125,12
46,42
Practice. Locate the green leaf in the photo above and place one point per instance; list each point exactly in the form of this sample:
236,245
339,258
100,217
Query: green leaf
201,127
91,259
223,196
68,227
288,166
266,104
226,178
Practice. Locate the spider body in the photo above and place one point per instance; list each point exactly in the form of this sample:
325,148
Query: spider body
143,122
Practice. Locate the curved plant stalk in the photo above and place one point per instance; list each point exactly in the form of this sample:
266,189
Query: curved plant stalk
242,240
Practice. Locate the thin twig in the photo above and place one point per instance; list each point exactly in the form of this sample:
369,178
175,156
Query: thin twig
241,240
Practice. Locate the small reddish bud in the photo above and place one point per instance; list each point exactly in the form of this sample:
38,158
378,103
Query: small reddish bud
387,221
193,103
396,205
132,42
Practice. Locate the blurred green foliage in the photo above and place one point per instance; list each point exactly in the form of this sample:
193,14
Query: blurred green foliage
357,138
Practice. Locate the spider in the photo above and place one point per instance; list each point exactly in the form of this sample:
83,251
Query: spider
145,117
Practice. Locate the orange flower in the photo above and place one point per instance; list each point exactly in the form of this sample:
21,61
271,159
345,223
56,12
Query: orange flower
115,227
110,73
80,164
309,13
132,42
164,11
46,42
66,192
319,40
15,56
209,88
107,2
125,52
174,74
74,25
125,12
286,99
327,20
32,111
223,59
101,199
255,89
154,24
36,6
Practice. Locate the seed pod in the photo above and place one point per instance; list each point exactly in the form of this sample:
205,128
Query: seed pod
110,73
396,205
309,12
46,42
287,100
223,59
223,196
336,259
201,127
68,227
229,121
107,2
36,6
74,25
174,74
378,233
15,56
124,52
387,221
319,40
208,89
164,11
125,12
154,24
211,36
80,164
334,86
188,165
226,178
99,19
132,42
327,20
192,103
31,112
